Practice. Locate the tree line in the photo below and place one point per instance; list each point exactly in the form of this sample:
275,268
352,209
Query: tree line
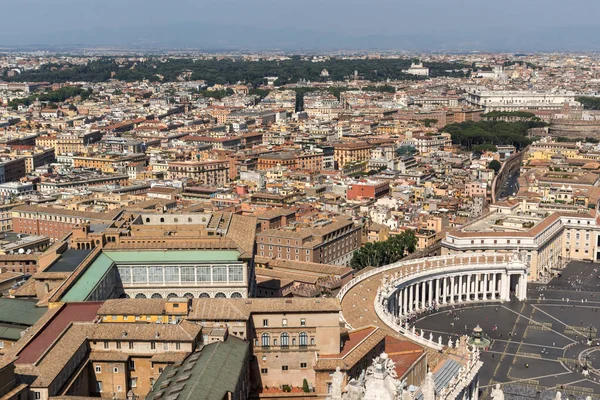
223,71
385,252
469,134
53,96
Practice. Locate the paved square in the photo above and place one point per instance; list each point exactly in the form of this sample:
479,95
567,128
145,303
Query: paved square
539,345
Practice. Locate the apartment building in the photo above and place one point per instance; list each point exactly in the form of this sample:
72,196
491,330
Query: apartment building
212,173
351,152
325,242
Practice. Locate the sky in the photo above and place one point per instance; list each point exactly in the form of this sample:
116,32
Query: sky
429,22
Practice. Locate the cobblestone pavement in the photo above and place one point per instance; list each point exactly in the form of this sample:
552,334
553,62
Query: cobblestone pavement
538,346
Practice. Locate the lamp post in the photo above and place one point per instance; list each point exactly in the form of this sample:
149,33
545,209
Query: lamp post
590,329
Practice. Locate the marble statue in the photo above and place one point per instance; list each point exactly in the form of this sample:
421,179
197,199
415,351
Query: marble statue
337,379
354,390
440,340
428,387
497,393
430,337
558,396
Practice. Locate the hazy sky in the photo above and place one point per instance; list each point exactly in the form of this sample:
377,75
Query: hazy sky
349,17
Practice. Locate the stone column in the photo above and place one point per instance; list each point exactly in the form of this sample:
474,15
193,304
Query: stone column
423,298
476,286
505,287
430,297
522,295
485,286
468,288
494,285
455,287
437,290
410,298
403,303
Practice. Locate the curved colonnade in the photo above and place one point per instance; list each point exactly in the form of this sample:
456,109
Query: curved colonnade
414,286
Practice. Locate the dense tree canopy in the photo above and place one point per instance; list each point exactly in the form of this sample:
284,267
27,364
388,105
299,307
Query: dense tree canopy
232,71
472,133
53,96
378,254
495,165
589,103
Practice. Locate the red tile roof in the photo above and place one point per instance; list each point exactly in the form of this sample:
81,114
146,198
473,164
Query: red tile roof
71,312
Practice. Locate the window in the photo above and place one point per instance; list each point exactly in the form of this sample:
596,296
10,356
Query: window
98,386
139,274
151,382
284,367
153,345
284,322
119,388
188,274
303,339
98,369
285,339
106,345
177,346
133,382
266,340
203,274
132,365
116,370
118,345
37,395
302,321
219,274
166,346
130,345
155,274
236,273
264,371
302,365
265,322
172,274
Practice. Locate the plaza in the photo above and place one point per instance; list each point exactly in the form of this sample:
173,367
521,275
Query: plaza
539,345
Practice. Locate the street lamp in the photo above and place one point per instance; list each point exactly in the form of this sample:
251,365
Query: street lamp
590,329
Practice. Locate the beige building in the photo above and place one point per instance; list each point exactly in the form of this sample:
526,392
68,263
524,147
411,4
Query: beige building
548,241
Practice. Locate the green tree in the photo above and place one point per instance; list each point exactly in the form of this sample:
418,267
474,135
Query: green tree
305,387
382,253
495,165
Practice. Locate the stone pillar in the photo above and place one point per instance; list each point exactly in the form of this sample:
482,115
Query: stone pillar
485,286
505,287
494,285
453,289
461,288
423,298
468,288
430,297
410,298
476,286
437,290
403,303
522,287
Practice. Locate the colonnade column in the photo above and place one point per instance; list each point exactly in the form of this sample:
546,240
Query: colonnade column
423,299
485,286
476,289
437,290
468,288
493,288
430,297
453,287
410,298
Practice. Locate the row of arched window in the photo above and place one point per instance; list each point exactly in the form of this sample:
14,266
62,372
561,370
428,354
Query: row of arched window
284,340
221,295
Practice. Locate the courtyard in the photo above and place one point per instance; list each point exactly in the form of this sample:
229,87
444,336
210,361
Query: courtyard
537,346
